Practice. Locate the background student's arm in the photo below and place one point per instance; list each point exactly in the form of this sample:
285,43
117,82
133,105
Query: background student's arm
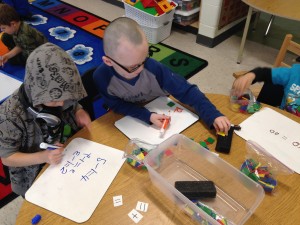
256,75
16,50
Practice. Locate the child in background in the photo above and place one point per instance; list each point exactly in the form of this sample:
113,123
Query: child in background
44,109
289,78
128,77
20,38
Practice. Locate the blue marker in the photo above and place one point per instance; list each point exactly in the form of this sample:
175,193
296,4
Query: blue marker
36,219
44,145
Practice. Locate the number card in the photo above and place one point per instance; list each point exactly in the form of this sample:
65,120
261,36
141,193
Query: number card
181,118
276,133
74,188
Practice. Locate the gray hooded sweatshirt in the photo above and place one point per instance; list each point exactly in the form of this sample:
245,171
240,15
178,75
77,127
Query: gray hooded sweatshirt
50,75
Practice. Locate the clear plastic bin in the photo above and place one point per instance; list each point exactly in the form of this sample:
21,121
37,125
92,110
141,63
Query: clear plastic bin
186,17
181,159
187,5
245,103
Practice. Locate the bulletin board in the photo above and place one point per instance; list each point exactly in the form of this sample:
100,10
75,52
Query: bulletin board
74,188
181,118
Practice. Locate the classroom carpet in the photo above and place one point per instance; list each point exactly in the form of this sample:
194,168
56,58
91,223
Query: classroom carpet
80,34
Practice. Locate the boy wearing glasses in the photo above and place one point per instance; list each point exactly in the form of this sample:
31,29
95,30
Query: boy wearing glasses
127,78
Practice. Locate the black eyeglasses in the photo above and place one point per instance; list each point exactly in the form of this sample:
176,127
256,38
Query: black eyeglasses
130,70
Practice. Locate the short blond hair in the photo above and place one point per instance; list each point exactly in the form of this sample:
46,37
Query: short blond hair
122,27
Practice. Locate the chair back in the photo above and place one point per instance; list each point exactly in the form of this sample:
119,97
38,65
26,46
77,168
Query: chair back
288,45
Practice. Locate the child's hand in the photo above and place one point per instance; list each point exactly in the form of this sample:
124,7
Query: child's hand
222,124
54,156
158,119
242,83
82,118
3,60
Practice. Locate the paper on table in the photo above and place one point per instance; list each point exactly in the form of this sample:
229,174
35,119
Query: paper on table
276,133
74,188
181,118
7,85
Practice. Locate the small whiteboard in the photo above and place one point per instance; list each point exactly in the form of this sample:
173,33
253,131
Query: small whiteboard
276,133
181,118
7,85
74,188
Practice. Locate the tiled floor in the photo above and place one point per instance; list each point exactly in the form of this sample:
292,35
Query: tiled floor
215,78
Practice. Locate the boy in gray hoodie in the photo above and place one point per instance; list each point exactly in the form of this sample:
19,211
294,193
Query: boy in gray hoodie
44,109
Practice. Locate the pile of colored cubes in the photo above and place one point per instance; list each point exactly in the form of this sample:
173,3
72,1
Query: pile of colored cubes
220,219
153,7
244,104
139,155
260,174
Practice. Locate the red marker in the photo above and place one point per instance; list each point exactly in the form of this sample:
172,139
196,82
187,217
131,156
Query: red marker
164,126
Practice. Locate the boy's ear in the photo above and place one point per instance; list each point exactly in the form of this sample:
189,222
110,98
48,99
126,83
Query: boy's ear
106,60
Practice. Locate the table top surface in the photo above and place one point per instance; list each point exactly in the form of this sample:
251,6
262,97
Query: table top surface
135,185
284,8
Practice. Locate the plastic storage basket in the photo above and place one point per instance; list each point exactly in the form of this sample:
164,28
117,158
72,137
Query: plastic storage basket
180,159
146,19
157,34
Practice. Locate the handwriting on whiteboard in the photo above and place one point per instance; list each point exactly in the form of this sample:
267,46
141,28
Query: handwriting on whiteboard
78,159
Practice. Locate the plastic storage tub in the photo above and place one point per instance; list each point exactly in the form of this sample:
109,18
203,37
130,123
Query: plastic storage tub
187,5
186,17
181,159
146,19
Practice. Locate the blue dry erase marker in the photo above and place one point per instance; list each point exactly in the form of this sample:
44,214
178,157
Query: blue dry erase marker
36,219
44,145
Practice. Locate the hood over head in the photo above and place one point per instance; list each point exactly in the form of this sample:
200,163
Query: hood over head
51,75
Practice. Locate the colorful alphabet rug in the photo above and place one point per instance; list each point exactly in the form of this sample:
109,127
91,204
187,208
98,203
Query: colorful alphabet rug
80,34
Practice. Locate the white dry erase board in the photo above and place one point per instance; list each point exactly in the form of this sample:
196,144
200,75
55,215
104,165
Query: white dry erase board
74,188
181,118
276,133
7,85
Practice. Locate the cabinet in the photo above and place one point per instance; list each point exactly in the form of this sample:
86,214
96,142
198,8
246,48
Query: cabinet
219,19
